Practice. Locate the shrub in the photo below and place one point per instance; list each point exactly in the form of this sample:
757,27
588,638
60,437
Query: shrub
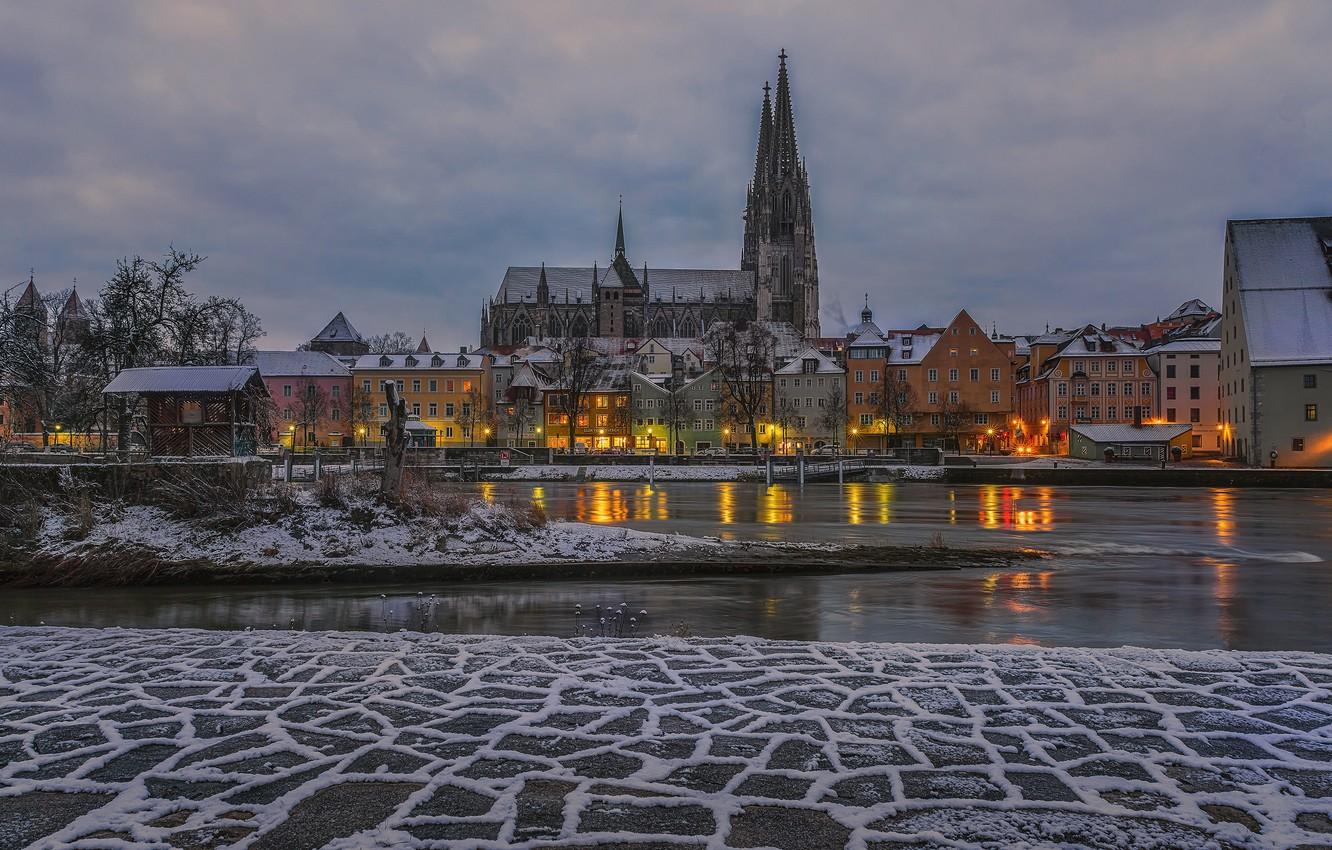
329,492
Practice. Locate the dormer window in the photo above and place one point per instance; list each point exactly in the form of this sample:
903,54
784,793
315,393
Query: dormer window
436,361
385,362
462,361
811,366
906,341
411,361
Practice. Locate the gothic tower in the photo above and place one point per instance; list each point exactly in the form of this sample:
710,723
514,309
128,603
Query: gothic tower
779,220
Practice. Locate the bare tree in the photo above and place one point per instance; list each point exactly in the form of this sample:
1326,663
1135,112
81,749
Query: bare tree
743,359
361,410
895,403
954,414
395,443
833,416
394,342
49,372
311,408
576,371
517,415
475,412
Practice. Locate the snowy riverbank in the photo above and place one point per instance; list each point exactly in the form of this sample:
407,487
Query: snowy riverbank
138,739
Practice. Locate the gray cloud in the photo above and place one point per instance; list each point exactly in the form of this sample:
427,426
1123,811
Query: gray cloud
1031,162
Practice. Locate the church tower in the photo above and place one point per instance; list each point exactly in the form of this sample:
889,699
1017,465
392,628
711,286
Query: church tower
779,219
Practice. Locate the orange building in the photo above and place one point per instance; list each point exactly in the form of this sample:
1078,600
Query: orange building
447,393
604,421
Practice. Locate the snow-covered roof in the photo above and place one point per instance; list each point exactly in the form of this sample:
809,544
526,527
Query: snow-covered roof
311,364
825,364
1194,308
1187,344
167,379
867,338
420,360
1129,433
1285,283
338,330
575,284
921,343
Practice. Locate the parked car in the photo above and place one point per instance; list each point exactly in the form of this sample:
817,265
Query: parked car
711,451
826,451
580,448
20,446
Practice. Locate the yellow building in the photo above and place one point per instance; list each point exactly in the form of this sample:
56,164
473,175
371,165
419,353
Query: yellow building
447,393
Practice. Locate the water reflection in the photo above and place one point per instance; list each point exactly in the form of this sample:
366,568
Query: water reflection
1223,513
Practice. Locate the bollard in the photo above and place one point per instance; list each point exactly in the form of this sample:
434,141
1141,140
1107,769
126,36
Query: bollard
318,465
839,471
800,468
652,470
286,466
769,471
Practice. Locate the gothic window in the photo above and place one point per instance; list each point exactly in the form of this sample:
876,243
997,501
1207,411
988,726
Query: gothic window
631,325
579,328
521,329
687,328
661,327
784,287
553,326
788,216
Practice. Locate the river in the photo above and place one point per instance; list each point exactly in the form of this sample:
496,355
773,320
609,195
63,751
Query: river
1169,567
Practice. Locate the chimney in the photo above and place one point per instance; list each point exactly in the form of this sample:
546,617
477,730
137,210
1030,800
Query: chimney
1137,416
462,349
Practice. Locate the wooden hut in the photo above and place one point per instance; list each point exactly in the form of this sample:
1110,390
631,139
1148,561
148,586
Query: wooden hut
195,411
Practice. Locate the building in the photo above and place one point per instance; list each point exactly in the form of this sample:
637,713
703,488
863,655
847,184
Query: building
677,416
1131,442
809,398
196,411
310,396
447,392
1090,377
604,420
777,280
1188,372
964,387
1276,342
340,339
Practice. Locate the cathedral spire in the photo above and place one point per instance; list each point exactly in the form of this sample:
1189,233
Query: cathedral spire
765,137
783,158
619,231
543,290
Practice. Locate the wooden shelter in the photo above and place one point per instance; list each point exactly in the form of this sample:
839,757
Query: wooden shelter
195,411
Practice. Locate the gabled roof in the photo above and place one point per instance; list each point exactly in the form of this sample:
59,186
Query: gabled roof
73,308
1125,432
867,338
1194,308
311,364
826,365
421,360
1285,281
423,347
202,379
338,330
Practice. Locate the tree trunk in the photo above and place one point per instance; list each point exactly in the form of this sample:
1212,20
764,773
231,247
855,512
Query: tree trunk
395,444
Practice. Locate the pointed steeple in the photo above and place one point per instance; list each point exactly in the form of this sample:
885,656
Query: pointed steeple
543,289
867,315
783,157
30,297
765,137
424,346
73,308
619,231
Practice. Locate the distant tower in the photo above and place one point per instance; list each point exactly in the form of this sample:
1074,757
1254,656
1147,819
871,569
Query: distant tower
779,219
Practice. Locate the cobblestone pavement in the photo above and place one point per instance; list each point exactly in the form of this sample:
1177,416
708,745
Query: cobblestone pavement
289,741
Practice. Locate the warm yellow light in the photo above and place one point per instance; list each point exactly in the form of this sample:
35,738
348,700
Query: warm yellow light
989,431
601,431
855,430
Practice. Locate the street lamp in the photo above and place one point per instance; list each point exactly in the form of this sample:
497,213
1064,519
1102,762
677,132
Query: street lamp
855,432
56,427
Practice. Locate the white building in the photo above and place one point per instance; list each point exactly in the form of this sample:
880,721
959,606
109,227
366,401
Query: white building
1188,387
1276,342
809,399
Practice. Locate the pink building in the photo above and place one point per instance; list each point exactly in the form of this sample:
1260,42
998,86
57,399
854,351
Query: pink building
311,398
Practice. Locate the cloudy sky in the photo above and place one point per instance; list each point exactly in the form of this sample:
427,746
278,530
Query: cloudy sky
1033,162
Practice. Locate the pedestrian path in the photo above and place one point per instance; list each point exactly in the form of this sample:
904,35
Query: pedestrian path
267,740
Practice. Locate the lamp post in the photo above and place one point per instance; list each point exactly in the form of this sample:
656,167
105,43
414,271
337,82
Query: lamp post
360,432
855,432
56,427
989,443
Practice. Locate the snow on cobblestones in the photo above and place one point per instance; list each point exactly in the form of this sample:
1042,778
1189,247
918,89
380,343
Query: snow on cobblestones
119,739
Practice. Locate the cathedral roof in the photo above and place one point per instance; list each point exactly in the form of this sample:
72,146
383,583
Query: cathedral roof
575,284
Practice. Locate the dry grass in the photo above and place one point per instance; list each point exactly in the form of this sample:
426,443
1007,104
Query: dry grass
528,517
937,541
114,568
329,492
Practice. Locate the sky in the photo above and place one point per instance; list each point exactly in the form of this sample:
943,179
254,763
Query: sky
1034,163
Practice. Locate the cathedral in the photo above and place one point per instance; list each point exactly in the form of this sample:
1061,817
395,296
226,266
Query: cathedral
778,278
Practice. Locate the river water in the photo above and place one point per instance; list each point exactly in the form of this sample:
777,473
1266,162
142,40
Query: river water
1173,567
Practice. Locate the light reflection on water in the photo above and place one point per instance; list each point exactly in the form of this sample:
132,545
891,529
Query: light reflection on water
1186,567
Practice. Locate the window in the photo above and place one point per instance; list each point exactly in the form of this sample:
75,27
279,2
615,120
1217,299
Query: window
337,414
934,419
1146,389
365,385
1061,389
1311,413
448,409
1096,388
286,414
434,408
1096,366
952,398
416,409
874,376
860,377
1170,414
1111,388
994,376
1063,412
975,375
1170,370
860,398
286,390
1128,388
982,419
448,386
1195,371
933,375
1195,392
866,419
973,352
434,385
1170,393
1112,366
1297,444
337,391
934,398
952,376
416,385
1128,367
400,385
1096,412
383,411
1110,412
1195,414
1310,382
901,374
994,396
